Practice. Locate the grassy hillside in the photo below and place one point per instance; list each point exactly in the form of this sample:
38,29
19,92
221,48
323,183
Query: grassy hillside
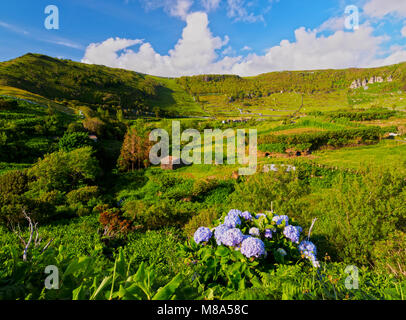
76,84
281,93
68,84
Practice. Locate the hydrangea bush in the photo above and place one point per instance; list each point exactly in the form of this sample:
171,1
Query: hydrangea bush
244,244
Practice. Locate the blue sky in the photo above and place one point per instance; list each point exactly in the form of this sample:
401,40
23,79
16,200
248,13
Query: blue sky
185,37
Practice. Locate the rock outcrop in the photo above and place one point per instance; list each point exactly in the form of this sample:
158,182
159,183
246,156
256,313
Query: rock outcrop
364,82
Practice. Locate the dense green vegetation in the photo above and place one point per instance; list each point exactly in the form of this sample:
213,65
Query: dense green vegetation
79,185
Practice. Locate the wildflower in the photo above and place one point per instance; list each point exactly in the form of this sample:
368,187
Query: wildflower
253,247
246,215
202,235
254,232
232,237
292,233
232,221
219,233
279,220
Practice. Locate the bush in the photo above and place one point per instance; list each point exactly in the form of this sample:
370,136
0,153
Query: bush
358,212
64,171
358,115
316,140
13,182
12,206
157,214
75,140
284,189
113,223
82,195
389,255
205,217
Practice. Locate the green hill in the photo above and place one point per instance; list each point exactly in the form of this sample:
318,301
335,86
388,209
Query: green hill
76,84
69,84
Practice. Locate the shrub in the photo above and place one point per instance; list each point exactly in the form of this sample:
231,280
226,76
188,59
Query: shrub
95,125
75,140
13,182
359,211
12,206
75,127
53,197
153,214
284,189
316,140
205,217
389,255
64,171
82,195
113,223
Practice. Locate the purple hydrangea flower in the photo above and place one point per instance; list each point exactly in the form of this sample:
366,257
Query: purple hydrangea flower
307,246
246,215
202,235
219,233
234,213
308,249
253,247
232,221
232,237
292,233
268,233
254,232
279,220
259,215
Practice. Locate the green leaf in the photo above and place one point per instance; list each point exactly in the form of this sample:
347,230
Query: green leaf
77,265
222,251
102,285
166,292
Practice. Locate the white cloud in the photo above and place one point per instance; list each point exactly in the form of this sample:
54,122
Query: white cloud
106,52
195,52
403,31
237,10
380,8
332,24
210,4
13,28
176,8
198,52
246,48
309,51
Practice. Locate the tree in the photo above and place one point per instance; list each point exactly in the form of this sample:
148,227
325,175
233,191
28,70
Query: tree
135,149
